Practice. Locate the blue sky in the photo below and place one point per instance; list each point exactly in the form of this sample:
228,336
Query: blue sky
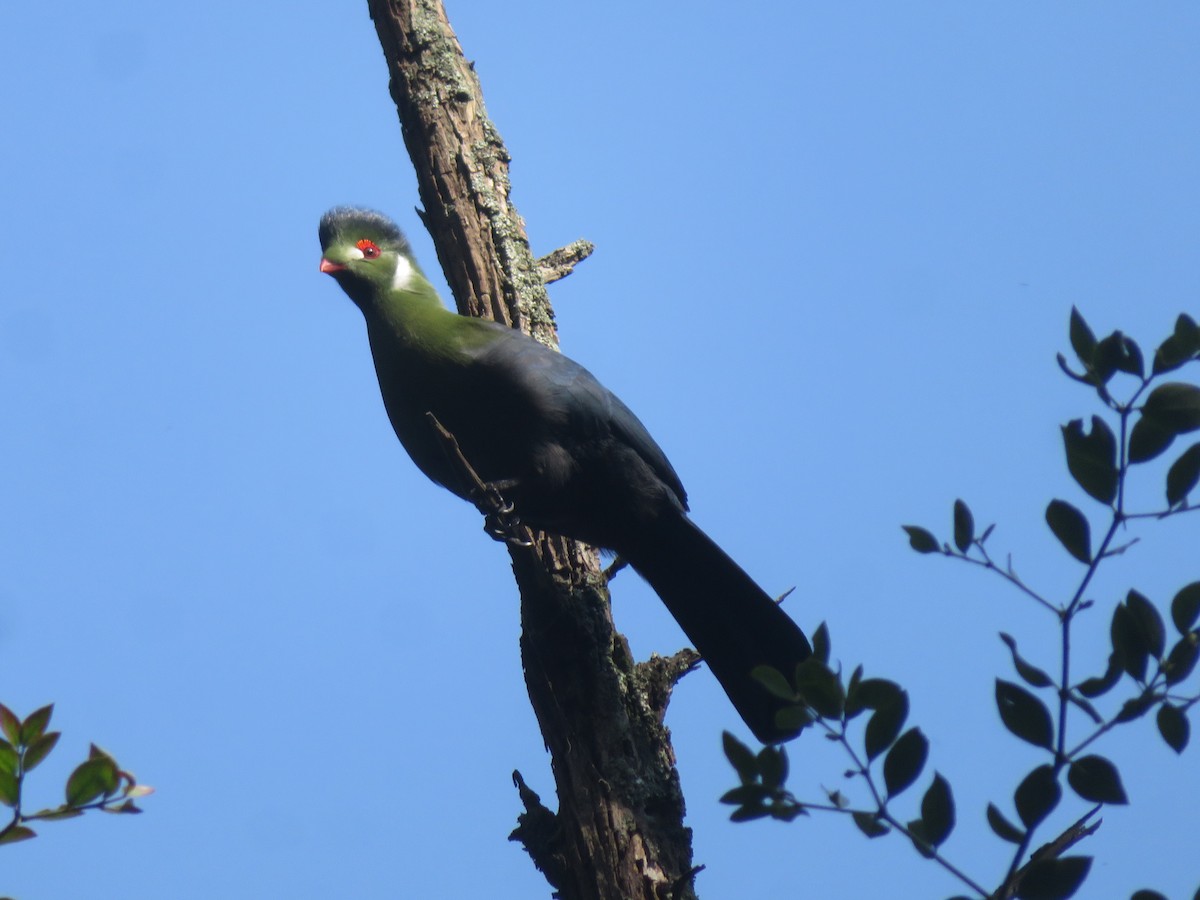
837,247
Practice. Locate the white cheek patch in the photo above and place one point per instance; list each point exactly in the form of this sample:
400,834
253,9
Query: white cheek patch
354,253
403,276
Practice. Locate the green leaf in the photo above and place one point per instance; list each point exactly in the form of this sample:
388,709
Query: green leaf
921,539
1092,458
1024,714
746,795
1096,780
964,526
916,833
1083,340
1185,608
40,749
773,764
821,688
820,643
1095,687
937,811
16,833
869,825
1031,674
885,723
749,814
904,762
10,725
9,758
35,724
1128,642
1136,708
1149,622
1037,795
1183,476
1182,659
1174,406
741,757
1071,528
1148,440
95,778
10,789
772,679
793,719
1174,727
1054,879
1004,829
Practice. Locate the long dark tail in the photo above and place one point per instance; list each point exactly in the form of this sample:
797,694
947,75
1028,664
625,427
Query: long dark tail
732,622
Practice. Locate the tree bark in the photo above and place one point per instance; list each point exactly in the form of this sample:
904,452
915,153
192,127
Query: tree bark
618,832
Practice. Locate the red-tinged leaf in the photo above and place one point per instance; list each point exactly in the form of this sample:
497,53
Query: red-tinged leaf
35,724
10,725
40,749
1071,528
15,833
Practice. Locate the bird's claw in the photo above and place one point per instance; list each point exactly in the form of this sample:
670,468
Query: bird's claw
501,521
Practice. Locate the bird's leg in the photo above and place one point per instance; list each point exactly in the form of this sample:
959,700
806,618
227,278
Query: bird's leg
500,518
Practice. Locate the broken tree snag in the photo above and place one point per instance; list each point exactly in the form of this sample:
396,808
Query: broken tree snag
618,832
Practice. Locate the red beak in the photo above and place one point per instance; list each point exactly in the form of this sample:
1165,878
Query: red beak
330,267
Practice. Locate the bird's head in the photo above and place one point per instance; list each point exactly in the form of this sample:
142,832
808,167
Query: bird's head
367,254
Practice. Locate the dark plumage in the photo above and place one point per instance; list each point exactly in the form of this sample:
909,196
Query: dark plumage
569,455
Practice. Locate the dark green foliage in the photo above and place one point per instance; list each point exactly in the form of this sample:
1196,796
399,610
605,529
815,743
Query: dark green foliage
1054,879
1024,714
1004,829
937,811
1037,795
1030,674
1185,607
1154,668
1174,727
921,540
904,761
1096,779
1183,475
1092,458
964,526
96,783
1070,526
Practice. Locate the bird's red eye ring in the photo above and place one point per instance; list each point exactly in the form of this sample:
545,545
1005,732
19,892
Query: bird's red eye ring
368,248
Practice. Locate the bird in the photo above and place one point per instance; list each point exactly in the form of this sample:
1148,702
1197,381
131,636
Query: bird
564,453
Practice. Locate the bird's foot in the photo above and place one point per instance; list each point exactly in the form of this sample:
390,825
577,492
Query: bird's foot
500,519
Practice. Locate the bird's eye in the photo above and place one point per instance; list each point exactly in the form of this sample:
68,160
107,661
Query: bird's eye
368,248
